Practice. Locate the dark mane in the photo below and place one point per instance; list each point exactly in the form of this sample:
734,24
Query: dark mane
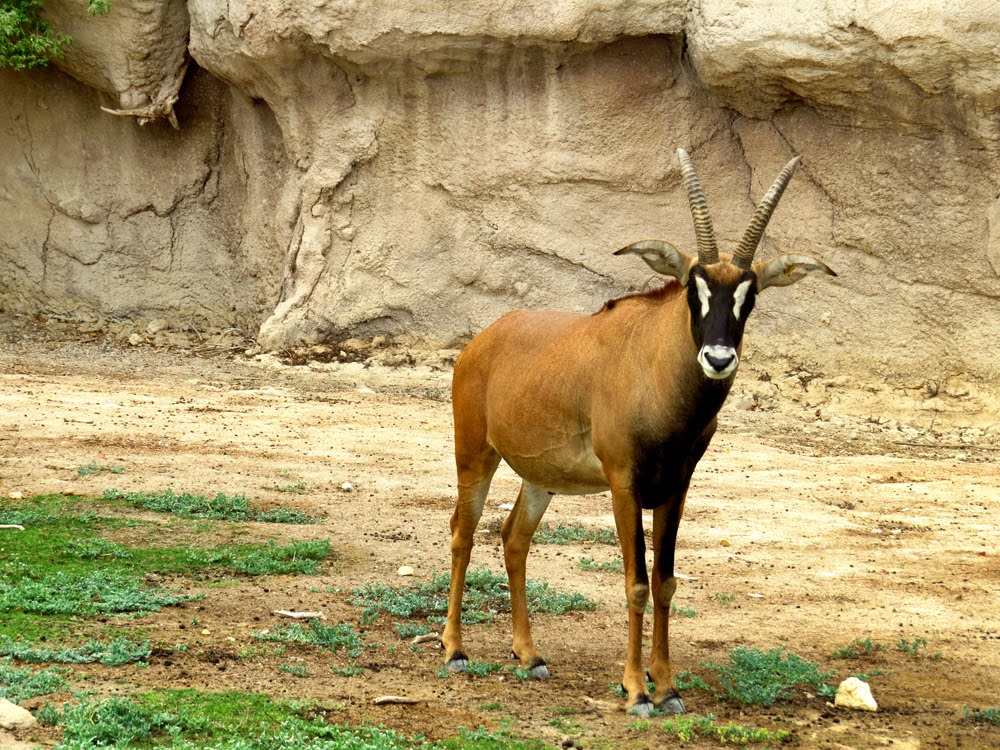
653,296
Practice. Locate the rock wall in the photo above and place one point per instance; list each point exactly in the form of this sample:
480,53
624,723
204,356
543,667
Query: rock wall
349,168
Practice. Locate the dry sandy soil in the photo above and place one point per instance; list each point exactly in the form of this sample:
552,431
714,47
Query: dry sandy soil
830,510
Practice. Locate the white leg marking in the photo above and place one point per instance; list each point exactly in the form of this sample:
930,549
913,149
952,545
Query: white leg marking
704,295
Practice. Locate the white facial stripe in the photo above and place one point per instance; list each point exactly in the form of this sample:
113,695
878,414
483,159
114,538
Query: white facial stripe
740,296
704,295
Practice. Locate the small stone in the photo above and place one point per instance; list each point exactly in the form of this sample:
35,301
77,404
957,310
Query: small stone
12,716
724,543
69,491
206,631
135,339
855,693
16,495
355,345
155,326
347,487
405,570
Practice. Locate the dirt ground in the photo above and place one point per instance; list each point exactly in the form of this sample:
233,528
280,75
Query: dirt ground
830,509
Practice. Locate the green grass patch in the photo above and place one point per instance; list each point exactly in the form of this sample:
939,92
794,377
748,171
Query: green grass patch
112,653
339,637
690,728
573,533
17,685
720,596
486,593
94,593
221,507
761,678
187,719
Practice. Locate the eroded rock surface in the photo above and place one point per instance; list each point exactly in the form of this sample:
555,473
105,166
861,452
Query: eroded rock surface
362,168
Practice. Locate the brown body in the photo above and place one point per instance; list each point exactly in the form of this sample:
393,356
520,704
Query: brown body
625,399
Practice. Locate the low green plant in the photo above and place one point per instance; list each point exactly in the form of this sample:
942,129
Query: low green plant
913,648
114,653
221,507
339,637
683,610
754,677
296,670
298,488
482,668
96,548
984,716
572,533
271,559
95,468
611,566
688,681
96,592
410,630
689,728
18,685
351,670
521,673
858,648
719,596
254,652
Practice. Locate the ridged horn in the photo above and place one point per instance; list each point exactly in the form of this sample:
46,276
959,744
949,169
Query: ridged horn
708,250
743,256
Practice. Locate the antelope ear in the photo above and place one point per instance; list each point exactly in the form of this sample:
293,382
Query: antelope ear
787,269
662,257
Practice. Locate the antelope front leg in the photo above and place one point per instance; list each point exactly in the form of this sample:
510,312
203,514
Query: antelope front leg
517,531
666,519
628,521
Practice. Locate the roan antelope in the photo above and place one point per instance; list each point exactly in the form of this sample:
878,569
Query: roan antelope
624,399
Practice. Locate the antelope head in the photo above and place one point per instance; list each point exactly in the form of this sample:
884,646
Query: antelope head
722,290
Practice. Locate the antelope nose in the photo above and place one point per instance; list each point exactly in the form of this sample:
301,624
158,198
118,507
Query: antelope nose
719,363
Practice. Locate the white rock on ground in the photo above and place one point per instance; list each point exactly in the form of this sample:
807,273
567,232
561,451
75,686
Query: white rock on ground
855,693
12,716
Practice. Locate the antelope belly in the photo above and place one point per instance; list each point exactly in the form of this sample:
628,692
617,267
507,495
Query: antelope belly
562,471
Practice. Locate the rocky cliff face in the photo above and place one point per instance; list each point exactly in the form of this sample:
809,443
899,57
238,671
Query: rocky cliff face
357,168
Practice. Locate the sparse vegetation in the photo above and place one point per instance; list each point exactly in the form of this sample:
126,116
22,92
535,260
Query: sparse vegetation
858,648
573,533
683,610
93,467
611,566
720,596
913,648
984,716
486,594
690,728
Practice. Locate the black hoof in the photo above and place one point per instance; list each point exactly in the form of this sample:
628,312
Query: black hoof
458,663
539,671
643,708
671,705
